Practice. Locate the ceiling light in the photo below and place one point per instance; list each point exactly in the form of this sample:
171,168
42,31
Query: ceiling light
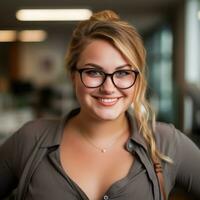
8,35
53,14
32,36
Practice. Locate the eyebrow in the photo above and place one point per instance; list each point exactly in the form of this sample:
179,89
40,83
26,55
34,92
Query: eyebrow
101,68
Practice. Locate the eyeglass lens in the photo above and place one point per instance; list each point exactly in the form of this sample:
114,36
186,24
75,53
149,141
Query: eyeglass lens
121,79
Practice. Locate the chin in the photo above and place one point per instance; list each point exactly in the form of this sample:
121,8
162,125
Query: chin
107,115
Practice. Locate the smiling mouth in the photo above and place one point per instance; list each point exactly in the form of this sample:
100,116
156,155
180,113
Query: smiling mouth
107,101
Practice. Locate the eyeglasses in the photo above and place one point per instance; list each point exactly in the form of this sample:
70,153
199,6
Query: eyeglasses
94,78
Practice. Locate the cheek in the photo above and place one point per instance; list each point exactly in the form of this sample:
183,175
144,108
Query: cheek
130,97
81,91
134,91
130,93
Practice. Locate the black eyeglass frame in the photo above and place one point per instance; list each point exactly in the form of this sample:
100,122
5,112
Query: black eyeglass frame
105,77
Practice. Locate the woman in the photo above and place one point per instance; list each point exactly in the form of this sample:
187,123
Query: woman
107,148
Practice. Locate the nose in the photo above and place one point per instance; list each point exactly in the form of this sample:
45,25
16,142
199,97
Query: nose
108,87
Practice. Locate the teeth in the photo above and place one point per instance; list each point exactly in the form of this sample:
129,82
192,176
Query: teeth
107,100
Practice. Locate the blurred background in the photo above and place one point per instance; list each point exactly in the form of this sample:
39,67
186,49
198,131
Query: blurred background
33,81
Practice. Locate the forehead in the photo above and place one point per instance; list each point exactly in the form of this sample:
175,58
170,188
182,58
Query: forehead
102,53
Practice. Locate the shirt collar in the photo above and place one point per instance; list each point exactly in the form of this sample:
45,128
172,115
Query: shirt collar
54,138
136,135
55,135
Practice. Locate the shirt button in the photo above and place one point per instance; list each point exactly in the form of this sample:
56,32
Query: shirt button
130,146
105,197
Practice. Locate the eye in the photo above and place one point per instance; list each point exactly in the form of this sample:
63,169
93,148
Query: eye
93,73
122,73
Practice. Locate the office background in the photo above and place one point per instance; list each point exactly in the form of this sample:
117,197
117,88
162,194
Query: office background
34,83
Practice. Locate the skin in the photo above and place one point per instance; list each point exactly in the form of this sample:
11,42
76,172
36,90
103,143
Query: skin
101,121
93,108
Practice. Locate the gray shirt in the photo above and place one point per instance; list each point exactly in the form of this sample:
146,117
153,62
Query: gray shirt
49,181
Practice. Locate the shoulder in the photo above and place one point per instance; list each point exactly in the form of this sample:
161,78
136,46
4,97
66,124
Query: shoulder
168,138
32,130
183,151
17,149
164,132
23,140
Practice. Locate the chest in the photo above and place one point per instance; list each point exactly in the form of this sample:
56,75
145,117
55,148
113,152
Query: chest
95,172
50,181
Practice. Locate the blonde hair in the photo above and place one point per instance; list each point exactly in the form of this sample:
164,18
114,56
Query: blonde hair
108,26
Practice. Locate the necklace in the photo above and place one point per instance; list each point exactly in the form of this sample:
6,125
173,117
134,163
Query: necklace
105,149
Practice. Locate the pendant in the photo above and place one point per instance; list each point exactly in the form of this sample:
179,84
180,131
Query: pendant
103,150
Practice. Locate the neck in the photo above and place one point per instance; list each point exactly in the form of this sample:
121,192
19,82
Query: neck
100,129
